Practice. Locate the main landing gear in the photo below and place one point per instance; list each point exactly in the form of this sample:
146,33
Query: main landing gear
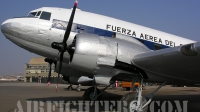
93,93
78,88
135,101
70,88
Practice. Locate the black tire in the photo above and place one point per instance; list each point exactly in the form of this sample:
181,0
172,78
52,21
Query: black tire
130,98
128,88
78,89
90,91
69,88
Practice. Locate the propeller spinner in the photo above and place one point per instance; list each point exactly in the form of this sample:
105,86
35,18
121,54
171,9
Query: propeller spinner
62,47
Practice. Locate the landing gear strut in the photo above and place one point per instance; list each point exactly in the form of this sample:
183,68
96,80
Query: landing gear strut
135,101
78,88
93,93
70,87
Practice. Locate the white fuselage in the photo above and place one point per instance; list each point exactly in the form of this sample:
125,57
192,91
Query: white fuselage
36,34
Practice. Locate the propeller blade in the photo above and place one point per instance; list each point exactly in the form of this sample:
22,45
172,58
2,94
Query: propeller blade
62,47
50,61
69,26
49,75
60,67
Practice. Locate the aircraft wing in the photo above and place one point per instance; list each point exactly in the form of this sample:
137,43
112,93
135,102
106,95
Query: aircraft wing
182,62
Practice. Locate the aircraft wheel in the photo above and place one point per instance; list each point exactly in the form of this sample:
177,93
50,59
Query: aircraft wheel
89,94
78,89
131,99
69,88
128,88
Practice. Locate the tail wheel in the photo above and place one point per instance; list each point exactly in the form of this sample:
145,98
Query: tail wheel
131,99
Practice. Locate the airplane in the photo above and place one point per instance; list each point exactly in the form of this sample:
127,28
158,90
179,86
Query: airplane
19,78
3,79
79,81
107,49
8,79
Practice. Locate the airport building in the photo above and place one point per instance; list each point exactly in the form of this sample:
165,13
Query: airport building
37,71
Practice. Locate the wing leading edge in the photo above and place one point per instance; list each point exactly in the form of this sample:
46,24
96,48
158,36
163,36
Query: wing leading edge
182,62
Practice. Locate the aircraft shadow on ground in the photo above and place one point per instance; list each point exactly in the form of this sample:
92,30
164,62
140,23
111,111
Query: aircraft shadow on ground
192,101
105,96
104,104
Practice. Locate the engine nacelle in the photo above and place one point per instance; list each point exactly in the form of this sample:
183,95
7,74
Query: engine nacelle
69,71
97,54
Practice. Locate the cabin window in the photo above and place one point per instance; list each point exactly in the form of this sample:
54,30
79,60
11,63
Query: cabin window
99,32
32,14
157,46
38,14
45,15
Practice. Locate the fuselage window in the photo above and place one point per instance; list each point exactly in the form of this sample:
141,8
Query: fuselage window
38,14
45,15
32,14
157,46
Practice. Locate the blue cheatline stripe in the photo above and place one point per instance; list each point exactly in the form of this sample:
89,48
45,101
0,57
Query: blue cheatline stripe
78,28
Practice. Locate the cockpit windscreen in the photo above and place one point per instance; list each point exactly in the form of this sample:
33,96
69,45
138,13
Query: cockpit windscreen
40,14
32,14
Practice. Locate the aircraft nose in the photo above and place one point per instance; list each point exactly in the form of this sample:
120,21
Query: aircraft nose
11,27
5,27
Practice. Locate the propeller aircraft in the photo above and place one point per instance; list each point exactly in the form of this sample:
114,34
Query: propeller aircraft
107,49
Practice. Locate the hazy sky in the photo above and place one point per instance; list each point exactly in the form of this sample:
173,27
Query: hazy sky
179,17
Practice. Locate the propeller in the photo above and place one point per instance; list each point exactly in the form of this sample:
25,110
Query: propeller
50,61
62,47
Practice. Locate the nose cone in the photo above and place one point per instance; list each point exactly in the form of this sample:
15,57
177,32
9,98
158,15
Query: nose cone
5,27
11,27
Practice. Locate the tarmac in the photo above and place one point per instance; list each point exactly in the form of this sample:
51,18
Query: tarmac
37,97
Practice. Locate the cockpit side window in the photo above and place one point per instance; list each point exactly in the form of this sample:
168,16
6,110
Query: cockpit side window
32,14
38,13
45,15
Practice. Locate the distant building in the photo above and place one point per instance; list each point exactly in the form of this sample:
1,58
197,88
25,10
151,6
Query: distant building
37,70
